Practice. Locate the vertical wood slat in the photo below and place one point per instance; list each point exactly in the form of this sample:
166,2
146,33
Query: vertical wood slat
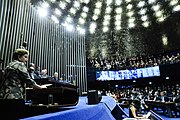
50,45
10,29
3,9
5,37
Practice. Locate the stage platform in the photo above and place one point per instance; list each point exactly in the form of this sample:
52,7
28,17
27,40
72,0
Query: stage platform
106,109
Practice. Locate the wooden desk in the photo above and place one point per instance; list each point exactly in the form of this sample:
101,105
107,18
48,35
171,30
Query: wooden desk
167,105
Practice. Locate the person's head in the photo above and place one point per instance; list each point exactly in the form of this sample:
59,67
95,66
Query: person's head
136,104
32,65
21,55
44,71
31,69
56,74
38,68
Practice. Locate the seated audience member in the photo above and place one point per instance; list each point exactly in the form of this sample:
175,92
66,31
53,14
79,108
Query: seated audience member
44,73
163,96
176,100
55,77
32,72
37,72
134,110
157,96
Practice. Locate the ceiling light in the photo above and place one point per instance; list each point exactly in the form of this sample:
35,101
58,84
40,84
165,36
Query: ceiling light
117,23
127,1
53,1
76,4
142,11
161,19
42,12
62,5
130,25
69,19
68,1
108,2
151,1
156,7
118,27
81,21
55,19
70,27
92,25
108,9
97,11
105,23
129,6
176,8
118,2
130,14
73,10
141,4
84,15
158,13
45,5
81,30
98,4
95,17
144,18
131,20
57,12
91,30
85,9
105,29
118,10
85,1
118,17
164,40
145,24
173,2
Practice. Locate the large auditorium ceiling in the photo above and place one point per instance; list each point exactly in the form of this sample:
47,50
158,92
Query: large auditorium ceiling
111,22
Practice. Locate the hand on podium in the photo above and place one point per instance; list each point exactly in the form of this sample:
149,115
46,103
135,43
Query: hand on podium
36,86
45,85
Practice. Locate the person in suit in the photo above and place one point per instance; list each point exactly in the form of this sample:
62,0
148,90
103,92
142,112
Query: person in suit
31,70
44,73
56,76
17,77
37,72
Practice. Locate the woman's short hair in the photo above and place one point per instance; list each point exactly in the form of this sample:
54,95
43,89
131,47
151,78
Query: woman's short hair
136,103
19,52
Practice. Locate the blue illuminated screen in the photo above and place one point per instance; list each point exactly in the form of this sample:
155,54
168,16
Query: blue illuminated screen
128,74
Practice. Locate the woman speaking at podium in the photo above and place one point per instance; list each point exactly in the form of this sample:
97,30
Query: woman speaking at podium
16,77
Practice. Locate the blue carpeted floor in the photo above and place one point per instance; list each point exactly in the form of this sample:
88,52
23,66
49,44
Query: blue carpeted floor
82,111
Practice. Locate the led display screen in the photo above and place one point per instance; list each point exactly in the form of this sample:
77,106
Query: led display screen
128,74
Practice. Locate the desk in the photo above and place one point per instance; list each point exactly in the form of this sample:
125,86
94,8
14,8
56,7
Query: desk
124,105
125,99
167,105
